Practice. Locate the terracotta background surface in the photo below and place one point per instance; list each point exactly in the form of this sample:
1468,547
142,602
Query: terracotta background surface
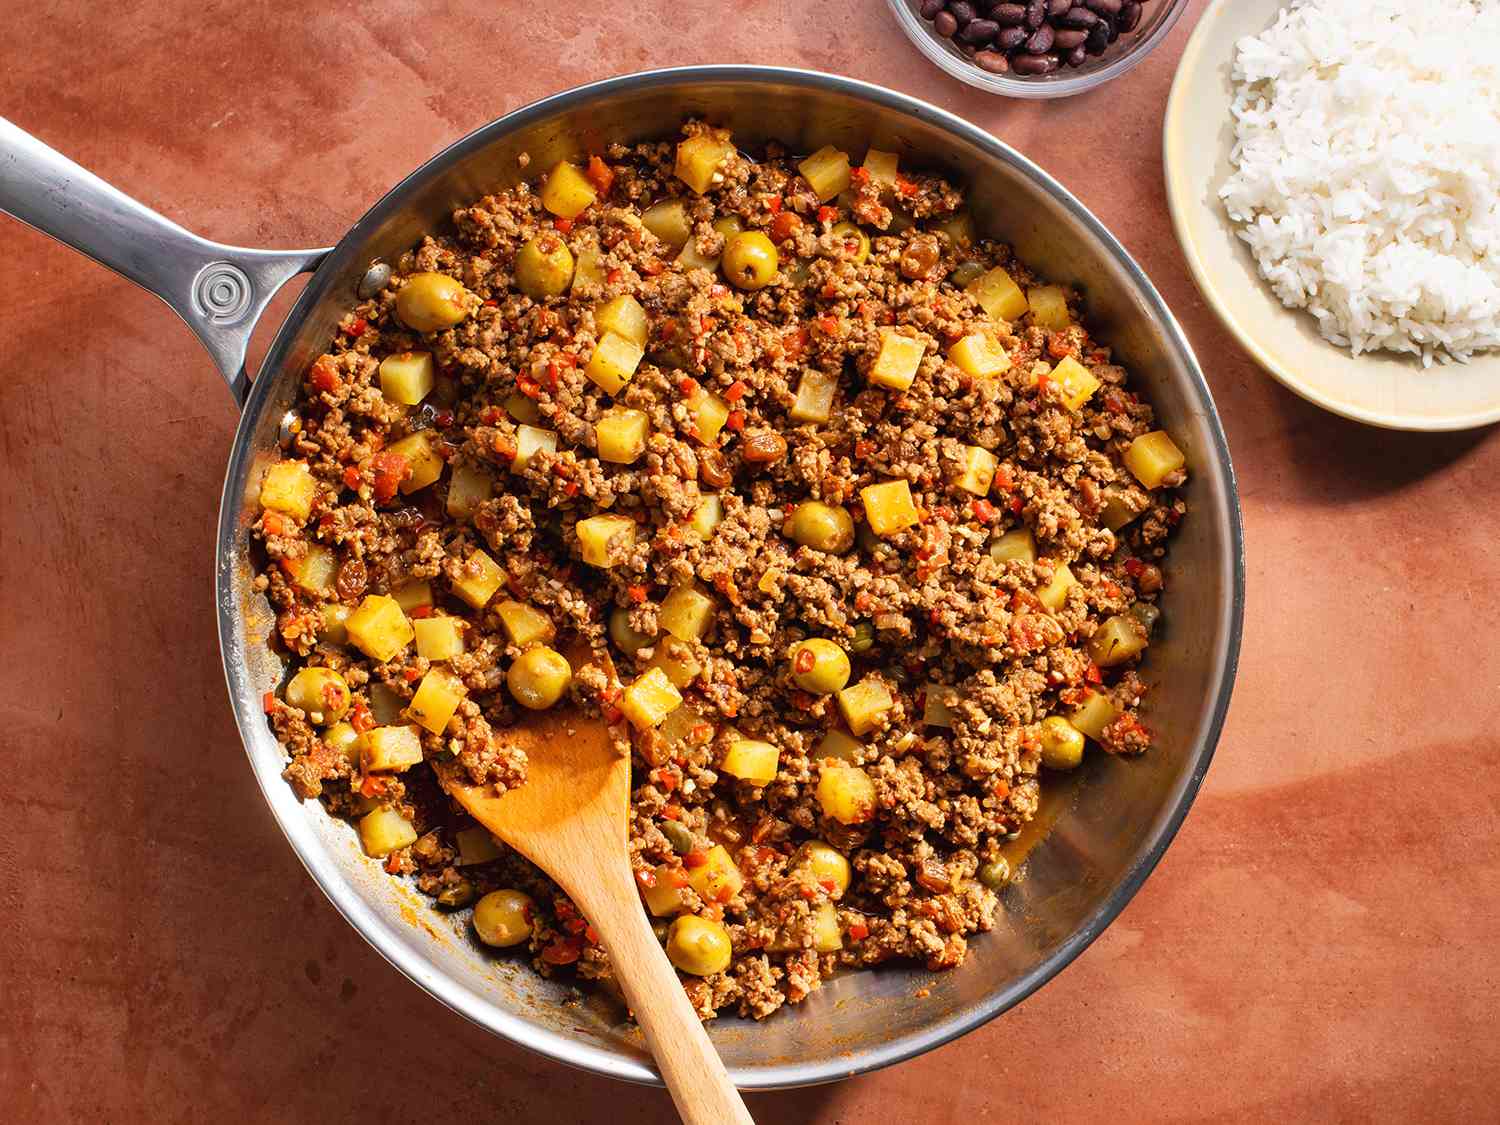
1318,944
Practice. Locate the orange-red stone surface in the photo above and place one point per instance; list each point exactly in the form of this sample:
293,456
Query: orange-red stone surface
1319,944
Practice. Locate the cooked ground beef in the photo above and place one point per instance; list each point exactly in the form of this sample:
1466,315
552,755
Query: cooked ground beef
962,642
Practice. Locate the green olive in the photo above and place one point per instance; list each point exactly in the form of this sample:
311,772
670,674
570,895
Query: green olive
749,260
544,267
1147,614
627,639
965,272
503,918
699,946
819,666
1062,743
539,677
321,692
854,240
864,638
345,739
429,301
995,874
821,527
728,226
827,864
457,895
679,836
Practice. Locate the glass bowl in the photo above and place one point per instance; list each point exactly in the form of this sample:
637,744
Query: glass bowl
1157,19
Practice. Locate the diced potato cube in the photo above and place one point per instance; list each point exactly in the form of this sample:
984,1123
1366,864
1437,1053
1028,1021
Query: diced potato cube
650,699
837,744
385,705
332,629
1116,641
692,259
613,363
481,577
1076,382
1014,546
529,442
1055,593
846,793
1049,306
980,355
826,935
937,708
413,595
889,507
815,391
686,613
468,488
476,845
978,471
288,487
602,540
959,228
1094,714
896,363
699,159
423,458
1152,457
435,700
718,879
378,628
677,660
707,516
624,317
523,409
709,412
524,625
826,171
395,748
686,727
865,704
664,896
1118,510
751,760
315,571
588,269
439,638
383,831
406,377
882,168
669,221
620,434
998,294
567,191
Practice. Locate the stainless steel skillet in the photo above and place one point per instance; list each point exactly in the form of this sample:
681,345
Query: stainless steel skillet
1113,819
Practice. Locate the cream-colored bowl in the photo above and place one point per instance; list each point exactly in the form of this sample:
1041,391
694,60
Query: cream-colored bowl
1379,388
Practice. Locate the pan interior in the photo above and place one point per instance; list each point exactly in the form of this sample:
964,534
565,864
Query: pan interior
1112,817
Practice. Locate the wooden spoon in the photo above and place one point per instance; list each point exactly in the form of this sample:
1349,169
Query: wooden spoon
570,820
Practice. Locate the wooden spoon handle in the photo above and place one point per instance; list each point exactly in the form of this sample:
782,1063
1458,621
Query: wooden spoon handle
689,1065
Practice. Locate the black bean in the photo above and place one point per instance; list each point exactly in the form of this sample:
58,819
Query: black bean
1058,7
1104,7
1008,15
1130,15
980,32
1113,24
962,10
931,8
1070,37
1034,64
992,61
944,24
1011,38
1077,17
1098,39
1077,56
1041,40
1036,12
967,50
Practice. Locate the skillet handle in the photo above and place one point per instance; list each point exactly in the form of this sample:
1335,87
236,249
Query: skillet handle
220,291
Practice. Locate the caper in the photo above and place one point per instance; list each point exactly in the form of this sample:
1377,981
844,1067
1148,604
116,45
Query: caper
1147,614
458,895
864,638
678,836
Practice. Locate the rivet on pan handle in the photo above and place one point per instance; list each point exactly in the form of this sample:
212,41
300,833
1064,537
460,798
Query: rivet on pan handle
220,291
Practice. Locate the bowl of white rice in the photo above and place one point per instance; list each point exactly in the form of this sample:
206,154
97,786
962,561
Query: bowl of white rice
1333,172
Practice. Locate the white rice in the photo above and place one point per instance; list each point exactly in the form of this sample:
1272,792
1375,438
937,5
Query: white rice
1367,161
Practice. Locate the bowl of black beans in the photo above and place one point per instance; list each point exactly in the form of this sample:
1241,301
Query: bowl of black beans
1036,48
